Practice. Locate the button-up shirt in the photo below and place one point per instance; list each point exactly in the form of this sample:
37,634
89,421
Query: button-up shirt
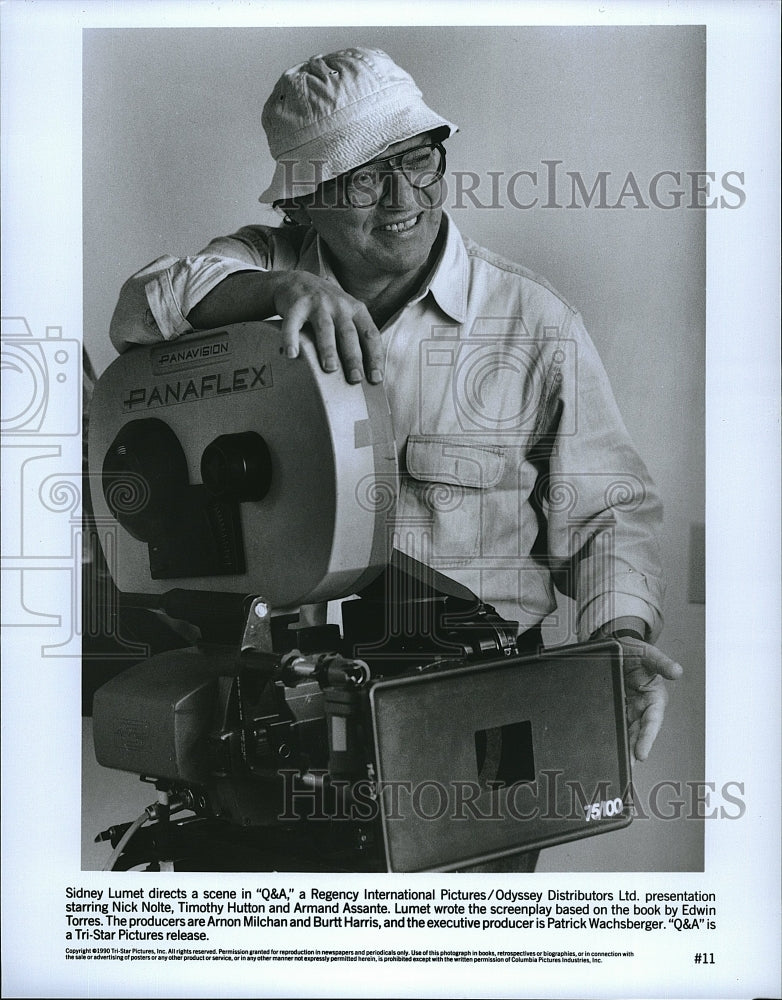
517,472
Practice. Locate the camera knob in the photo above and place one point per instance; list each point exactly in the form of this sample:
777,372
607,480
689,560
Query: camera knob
237,467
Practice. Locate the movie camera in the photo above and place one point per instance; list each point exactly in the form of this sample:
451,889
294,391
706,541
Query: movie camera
234,489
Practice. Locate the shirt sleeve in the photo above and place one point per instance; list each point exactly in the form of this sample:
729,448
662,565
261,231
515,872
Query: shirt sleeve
604,514
154,303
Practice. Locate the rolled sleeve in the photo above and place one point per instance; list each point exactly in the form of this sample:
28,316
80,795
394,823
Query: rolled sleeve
609,607
177,289
155,302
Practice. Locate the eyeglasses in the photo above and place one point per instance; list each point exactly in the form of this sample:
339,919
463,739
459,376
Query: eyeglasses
421,167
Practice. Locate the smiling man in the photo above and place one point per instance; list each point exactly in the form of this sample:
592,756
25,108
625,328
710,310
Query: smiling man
518,475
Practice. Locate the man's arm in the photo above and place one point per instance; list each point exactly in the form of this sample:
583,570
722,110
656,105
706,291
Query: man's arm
154,303
603,512
604,519
234,280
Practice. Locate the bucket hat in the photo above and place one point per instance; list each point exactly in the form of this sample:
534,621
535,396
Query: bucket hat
334,112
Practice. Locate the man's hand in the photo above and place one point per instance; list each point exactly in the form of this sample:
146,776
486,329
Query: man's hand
343,329
645,671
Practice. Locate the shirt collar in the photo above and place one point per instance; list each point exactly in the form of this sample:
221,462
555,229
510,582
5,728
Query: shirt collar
447,282
312,258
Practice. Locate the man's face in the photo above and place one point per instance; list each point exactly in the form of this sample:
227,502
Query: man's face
392,237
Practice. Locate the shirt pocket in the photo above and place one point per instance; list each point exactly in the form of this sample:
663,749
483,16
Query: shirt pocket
447,485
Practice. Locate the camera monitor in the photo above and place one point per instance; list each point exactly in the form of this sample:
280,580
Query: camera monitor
482,761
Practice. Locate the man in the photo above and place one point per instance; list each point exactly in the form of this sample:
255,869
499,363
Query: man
518,473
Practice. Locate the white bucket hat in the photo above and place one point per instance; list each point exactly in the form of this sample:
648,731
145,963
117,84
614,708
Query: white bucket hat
335,112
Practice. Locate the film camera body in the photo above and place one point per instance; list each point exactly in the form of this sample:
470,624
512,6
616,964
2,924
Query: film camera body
233,486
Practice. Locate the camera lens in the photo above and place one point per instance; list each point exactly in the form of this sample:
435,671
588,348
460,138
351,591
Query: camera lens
237,467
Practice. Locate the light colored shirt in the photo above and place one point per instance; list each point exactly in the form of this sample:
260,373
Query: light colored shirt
518,474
